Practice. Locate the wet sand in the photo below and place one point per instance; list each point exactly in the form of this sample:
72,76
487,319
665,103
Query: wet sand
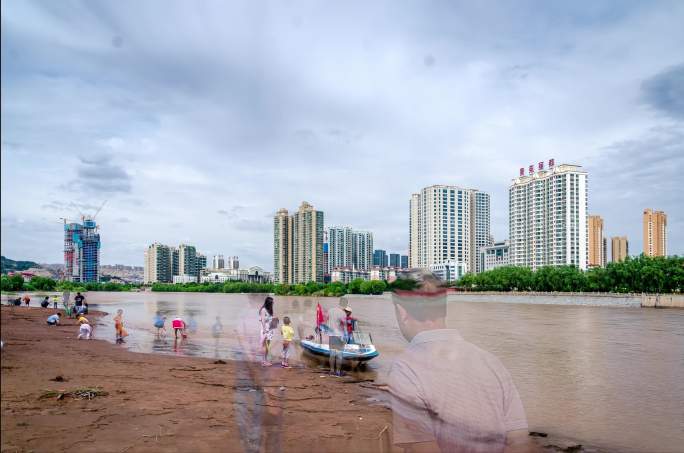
160,402
168,403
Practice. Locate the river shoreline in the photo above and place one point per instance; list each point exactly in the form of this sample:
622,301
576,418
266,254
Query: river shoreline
163,402
169,403
513,297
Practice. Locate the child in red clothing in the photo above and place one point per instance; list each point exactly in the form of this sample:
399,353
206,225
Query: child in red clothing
350,323
178,326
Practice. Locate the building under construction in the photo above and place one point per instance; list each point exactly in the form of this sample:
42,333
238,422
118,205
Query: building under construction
81,251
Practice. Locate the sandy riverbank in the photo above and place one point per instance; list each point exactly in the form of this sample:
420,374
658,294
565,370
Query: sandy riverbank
168,403
177,404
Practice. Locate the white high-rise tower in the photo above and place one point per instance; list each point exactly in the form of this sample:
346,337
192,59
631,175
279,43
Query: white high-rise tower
548,217
349,248
448,224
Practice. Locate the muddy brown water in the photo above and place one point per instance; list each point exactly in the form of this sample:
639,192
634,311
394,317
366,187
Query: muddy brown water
612,377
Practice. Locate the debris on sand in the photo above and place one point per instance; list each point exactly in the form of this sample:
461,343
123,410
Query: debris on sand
86,393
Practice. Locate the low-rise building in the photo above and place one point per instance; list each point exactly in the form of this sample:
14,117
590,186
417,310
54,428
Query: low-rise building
347,274
185,278
388,274
449,271
493,256
254,274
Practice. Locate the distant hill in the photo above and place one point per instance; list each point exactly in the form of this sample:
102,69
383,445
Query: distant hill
8,265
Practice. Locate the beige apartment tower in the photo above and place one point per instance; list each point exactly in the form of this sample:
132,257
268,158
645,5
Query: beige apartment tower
655,233
282,239
298,245
596,242
158,266
619,248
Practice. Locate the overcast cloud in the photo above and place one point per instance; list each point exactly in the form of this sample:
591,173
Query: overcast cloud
198,120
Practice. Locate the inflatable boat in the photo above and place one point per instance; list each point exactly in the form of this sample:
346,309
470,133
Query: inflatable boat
360,350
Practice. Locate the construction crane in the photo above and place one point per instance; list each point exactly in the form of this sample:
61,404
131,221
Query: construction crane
99,209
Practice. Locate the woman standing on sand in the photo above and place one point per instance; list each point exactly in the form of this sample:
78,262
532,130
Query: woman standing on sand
266,321
118,326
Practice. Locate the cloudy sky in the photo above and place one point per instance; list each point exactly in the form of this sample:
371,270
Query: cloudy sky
197,120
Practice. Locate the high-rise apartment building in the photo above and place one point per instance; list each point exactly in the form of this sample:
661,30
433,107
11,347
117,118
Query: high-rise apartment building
233,262
326,257
394,260
158,264
448,224
380,258
596,241
619,248
414,205
548,217
187,260
298,245
480,220
655,233
163,263
283,271
218,262
604,256
349,248
81,251
201,264
174,259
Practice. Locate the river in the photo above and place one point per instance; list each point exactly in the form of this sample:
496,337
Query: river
611,377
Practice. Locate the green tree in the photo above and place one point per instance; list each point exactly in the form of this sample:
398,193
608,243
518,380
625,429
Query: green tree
12,283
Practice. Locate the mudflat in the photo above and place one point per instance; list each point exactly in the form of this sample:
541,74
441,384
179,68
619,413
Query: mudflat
64,394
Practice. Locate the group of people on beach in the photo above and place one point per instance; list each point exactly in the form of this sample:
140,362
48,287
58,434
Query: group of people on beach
340,328
269,324
79,310
180,327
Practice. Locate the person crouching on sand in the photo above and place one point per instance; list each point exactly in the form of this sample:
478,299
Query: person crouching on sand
53,320
178,327
159,324
85,330
119,327
288,336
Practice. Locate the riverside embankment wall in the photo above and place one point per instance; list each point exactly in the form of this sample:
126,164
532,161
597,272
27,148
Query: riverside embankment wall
589,299
663,300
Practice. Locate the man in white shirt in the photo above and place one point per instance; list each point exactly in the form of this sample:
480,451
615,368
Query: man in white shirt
447,394
337,319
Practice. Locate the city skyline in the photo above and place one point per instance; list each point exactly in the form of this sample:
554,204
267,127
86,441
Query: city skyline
111,109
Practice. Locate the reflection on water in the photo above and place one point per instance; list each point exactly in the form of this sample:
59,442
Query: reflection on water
611,377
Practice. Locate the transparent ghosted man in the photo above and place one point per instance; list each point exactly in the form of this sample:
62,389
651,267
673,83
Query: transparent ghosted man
447,394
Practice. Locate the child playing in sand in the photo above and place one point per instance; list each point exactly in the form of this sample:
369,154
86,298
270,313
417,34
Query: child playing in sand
178,327
159,322
288,336
85,330
53,320
119,327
